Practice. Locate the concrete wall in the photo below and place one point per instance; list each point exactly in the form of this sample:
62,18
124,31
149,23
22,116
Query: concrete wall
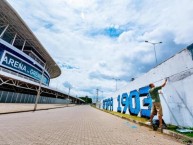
177,97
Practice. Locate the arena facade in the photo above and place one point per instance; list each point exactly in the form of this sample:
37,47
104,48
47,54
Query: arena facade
25,65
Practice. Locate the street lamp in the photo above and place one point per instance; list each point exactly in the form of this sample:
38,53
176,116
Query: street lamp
102,94
97,93
132,79
40,85
68,95
99,103
154,48
116,82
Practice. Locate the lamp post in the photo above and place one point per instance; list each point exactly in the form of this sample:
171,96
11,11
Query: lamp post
39,89
40,85
68,95
99,100
102,94
154,48
97,95
116,82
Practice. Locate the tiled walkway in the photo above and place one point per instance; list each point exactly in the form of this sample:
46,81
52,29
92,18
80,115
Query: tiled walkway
78,125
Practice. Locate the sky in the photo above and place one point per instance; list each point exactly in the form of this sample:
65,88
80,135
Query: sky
96,42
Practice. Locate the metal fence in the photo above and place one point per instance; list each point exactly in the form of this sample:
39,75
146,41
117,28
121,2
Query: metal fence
12,97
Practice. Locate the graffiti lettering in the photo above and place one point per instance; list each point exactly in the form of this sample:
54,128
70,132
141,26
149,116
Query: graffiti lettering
133,106
108,104
131,102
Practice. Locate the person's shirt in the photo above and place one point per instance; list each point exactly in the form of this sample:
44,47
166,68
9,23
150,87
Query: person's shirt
155,94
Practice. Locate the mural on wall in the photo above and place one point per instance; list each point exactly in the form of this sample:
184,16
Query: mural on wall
108,104
176,99
124,102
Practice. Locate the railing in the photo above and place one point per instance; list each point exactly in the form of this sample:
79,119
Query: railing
14,97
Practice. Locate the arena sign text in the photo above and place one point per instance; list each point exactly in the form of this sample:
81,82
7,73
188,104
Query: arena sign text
12,62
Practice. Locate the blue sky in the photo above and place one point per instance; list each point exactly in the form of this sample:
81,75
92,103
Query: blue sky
94,41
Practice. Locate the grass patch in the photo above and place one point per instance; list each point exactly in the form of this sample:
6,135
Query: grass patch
186,134
173,128
139,119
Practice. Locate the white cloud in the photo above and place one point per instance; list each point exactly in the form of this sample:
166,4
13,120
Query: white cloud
65,29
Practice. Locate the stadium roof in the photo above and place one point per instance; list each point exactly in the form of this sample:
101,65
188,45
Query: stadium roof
9,16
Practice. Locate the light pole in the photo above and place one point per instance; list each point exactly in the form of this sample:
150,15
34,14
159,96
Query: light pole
39,89
68,95
86,98
97,93
40,85
100,99
57,80
116,82
102,94
154,48
132,79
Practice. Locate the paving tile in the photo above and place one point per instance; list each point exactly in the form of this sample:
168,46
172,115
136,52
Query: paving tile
79,125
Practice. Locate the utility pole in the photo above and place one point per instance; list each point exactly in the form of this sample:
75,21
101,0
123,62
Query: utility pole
116,82
97,93
154,49
68,95
102,94
39,88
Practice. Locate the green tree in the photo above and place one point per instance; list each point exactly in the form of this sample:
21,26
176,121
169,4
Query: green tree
86,99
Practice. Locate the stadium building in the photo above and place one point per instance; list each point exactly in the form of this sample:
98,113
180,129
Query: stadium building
25,65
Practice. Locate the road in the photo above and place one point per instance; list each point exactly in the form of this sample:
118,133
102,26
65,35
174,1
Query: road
79,125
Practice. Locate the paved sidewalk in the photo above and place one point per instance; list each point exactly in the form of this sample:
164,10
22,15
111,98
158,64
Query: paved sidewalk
79,125
16,107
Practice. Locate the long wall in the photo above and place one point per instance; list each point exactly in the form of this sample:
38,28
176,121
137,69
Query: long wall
176,96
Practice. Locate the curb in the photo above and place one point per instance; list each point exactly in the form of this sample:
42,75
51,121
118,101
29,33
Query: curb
165,131
31,110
